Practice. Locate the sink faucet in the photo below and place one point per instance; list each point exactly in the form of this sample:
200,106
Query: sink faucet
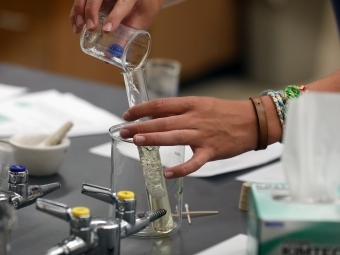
97,236
19,193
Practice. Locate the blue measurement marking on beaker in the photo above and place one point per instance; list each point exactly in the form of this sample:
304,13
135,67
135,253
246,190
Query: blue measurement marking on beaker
115,50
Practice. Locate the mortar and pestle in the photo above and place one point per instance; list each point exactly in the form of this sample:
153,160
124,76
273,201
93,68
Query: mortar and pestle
41,153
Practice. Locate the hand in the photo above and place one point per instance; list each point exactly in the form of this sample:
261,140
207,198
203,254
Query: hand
214,128
134,13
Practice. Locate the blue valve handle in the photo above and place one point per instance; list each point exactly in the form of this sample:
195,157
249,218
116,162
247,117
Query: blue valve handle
17,168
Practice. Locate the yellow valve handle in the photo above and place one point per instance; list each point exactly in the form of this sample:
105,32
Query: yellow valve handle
125,194
80,211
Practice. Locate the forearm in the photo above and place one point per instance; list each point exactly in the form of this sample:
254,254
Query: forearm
330,83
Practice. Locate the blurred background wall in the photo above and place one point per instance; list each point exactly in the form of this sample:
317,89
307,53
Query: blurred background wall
290,41
278,41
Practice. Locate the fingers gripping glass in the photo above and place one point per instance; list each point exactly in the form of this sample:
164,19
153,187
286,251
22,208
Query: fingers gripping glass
125,47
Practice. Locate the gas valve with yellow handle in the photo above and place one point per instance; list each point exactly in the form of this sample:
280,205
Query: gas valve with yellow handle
124,201
98,236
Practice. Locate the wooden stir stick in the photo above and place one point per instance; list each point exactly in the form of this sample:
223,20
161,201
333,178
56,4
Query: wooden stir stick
188,214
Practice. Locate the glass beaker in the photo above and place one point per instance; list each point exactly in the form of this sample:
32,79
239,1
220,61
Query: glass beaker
162,77
8,221
6,152
125,47
131,171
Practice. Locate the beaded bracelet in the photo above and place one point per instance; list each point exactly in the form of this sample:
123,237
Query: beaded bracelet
280,106
281,98
293,91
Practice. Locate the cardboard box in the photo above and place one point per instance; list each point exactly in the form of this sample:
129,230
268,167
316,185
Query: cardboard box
279,226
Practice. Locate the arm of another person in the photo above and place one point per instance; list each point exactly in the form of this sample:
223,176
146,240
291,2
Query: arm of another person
213,128
134,13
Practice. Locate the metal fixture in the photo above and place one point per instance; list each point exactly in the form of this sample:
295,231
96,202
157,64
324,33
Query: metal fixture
19,193
98,236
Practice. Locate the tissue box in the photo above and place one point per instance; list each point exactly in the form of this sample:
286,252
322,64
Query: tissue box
279,226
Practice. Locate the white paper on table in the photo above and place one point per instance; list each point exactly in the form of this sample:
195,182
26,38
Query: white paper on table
243,161
272,173
8,92
45,111
240,162
236,245
102,150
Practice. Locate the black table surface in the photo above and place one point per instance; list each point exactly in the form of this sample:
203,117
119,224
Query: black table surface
37,232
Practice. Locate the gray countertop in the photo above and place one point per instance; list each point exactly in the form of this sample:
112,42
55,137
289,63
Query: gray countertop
37,231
